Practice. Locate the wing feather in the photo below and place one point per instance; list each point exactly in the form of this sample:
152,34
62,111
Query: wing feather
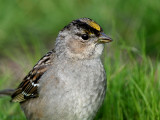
29,86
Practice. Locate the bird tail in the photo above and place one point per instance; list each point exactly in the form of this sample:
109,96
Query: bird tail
7,92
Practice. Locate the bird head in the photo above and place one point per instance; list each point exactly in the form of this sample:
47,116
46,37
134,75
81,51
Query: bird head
81,39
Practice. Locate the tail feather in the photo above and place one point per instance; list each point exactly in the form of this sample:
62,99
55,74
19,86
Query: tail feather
7,92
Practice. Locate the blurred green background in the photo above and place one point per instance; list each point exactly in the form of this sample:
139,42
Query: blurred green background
28,29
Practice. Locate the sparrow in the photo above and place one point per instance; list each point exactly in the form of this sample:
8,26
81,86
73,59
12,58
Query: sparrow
69,82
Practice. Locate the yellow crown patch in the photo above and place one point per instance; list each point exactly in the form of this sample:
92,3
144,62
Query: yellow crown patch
94,25
91,23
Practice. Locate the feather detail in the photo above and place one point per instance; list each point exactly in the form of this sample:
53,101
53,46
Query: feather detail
29,86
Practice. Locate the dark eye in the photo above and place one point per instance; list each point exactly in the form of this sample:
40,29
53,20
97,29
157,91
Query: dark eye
85,37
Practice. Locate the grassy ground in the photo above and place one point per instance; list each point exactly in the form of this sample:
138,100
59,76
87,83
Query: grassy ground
28,29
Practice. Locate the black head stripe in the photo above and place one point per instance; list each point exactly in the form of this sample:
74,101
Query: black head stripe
86,27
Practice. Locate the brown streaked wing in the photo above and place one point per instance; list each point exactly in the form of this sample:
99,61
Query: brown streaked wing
29,86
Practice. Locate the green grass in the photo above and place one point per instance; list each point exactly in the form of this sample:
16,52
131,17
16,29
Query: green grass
28,30
133,87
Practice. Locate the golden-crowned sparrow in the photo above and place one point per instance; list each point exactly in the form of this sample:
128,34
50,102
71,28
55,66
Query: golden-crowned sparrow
69,82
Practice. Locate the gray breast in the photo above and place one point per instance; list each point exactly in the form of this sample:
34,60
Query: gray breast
72,91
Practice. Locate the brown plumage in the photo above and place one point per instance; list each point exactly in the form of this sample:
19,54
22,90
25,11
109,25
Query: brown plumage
29,86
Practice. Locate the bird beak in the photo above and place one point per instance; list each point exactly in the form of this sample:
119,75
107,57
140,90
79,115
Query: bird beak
103,38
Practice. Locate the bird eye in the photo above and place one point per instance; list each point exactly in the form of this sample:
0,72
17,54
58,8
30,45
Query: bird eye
85,37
